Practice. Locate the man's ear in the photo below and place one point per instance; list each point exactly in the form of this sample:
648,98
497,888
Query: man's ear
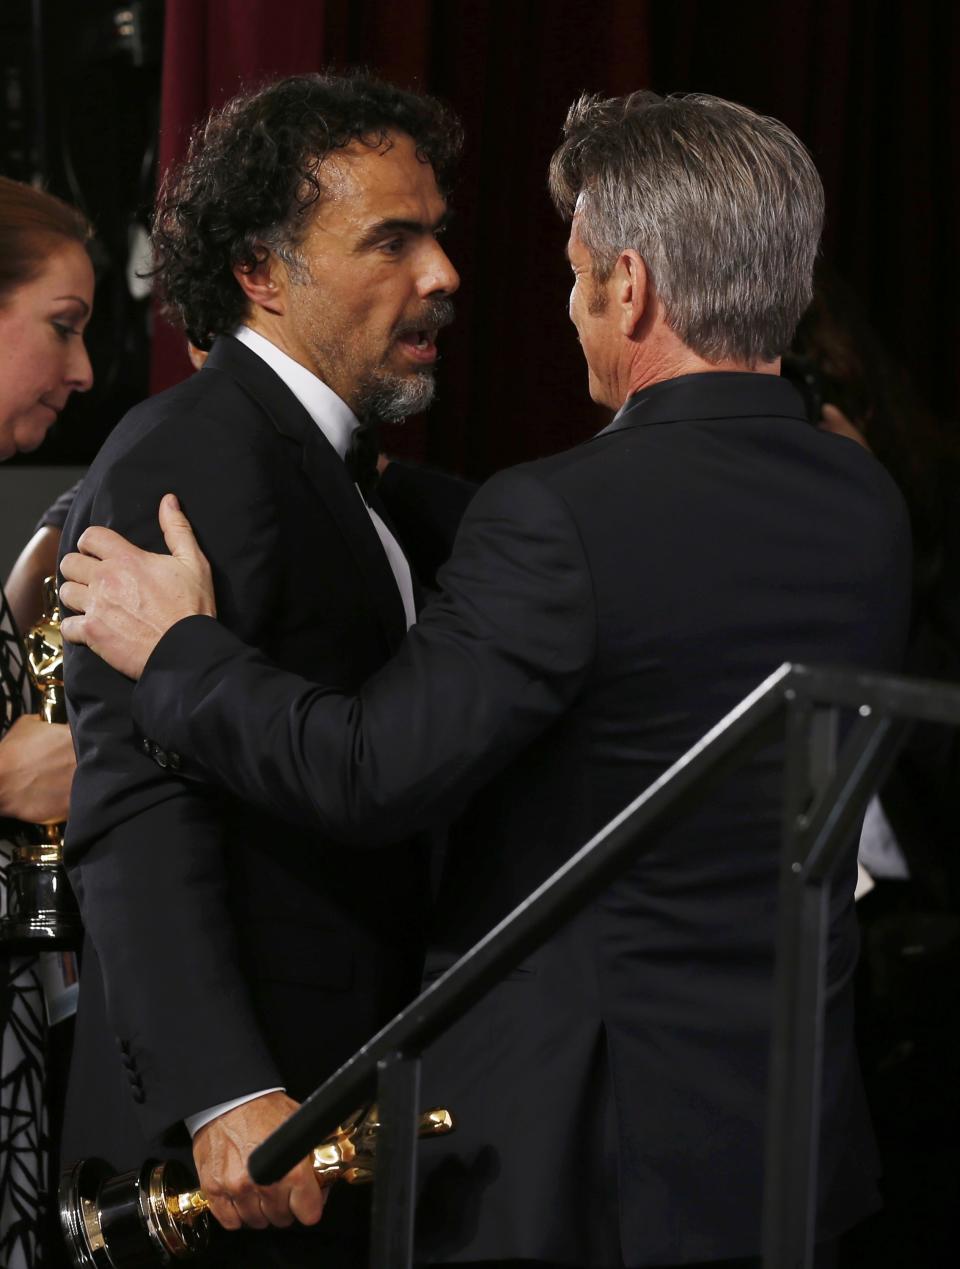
264,285
631,291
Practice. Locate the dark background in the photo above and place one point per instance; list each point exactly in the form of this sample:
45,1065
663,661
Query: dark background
872,88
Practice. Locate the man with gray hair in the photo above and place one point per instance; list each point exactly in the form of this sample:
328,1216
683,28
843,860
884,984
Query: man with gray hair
601,610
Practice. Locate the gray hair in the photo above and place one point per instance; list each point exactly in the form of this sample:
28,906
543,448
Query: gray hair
724,205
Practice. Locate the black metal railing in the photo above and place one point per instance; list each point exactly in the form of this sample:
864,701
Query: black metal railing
827,784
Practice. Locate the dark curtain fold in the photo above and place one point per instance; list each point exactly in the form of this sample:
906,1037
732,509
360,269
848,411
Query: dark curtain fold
870,86
873,88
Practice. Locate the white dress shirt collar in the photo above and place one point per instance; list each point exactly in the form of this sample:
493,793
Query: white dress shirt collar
337,422
332,416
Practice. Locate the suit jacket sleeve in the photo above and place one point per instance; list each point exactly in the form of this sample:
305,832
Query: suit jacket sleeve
494,659
145,848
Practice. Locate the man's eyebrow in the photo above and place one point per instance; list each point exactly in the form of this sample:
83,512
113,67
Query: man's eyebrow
76,299
399,225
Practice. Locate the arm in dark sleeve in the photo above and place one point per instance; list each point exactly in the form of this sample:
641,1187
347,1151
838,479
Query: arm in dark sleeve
56,514
425,507
37,560
495,658
145,849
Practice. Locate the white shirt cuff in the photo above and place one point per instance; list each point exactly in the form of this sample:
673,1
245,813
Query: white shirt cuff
196,1122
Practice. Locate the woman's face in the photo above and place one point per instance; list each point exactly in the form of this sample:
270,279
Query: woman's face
42,354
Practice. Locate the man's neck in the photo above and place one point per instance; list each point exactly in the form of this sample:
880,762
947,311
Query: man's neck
674,363
331,414
274,330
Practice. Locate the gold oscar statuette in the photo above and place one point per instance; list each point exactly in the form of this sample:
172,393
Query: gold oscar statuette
41,910
154,1216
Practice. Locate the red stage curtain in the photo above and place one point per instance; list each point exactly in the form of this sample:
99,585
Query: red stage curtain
871,87
211,48
513,385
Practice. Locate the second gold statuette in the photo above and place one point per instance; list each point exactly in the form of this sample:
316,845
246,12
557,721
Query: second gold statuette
42,912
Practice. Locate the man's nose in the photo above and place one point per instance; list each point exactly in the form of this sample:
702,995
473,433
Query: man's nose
439,275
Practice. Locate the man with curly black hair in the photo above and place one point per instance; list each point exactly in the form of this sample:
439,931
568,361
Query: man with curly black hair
230,963
255,180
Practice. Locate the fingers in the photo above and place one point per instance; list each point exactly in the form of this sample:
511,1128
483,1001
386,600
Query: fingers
79,568
103,543
100,543
223,1211
74,596
74,629
307,1200
298,1197
247,1203
80,573
177,531
235,1201
275,1203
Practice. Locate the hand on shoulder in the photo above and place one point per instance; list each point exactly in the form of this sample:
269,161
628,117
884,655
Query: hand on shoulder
128,598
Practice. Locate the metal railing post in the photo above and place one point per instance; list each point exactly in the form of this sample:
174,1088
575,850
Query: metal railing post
824,799
394,1186
793,1117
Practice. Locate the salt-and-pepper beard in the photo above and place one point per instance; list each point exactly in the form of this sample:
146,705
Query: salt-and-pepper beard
387,397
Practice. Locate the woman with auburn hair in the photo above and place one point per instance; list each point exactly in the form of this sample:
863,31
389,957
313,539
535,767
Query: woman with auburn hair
46,297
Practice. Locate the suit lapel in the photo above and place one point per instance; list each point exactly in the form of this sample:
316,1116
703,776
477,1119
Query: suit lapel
325,470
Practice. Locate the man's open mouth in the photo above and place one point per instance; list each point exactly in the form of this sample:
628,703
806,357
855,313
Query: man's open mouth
420,344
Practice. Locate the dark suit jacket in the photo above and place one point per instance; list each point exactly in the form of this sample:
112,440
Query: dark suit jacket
601,610
227,952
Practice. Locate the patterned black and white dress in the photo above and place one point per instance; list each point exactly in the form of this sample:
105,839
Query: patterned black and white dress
23,1116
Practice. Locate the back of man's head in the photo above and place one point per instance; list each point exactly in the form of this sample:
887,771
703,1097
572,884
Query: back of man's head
725,206
253,179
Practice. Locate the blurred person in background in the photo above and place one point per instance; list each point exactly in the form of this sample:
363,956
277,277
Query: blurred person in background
855,389
38,559
46,297
909,912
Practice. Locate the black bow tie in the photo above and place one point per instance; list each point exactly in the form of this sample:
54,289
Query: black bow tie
361,459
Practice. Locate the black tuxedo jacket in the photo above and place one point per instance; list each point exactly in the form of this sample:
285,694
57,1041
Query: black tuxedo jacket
226,951
601,610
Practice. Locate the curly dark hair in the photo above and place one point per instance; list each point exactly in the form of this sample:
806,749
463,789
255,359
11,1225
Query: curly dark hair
252,176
